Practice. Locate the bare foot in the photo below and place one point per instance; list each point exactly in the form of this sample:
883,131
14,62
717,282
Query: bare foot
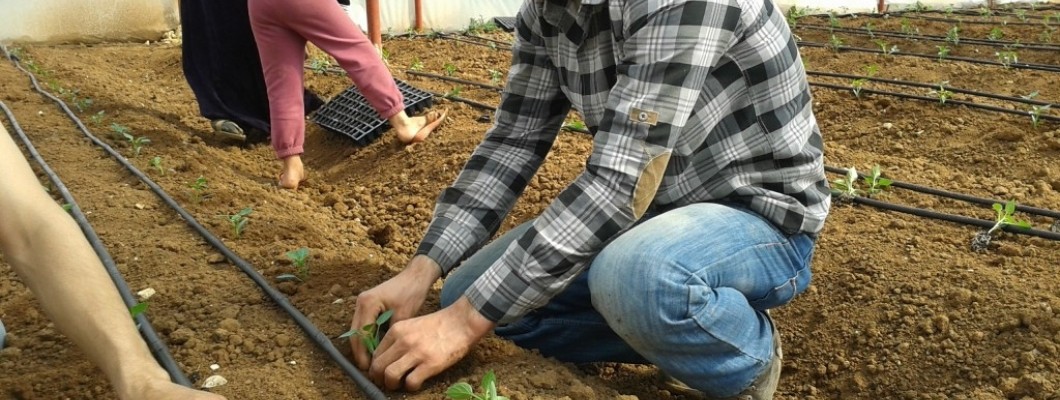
416,129
293,173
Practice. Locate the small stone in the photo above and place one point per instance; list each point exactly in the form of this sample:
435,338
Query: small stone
139,206
215,259
214,367
214,381
145,294
888,125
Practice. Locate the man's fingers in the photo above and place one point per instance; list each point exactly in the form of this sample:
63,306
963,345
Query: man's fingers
395,372
415,378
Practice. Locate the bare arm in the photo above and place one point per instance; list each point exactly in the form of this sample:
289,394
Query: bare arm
48,251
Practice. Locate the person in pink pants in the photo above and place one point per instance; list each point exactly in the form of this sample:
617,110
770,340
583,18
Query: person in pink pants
281,29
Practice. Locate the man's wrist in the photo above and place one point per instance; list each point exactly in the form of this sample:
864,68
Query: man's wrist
477,324
425,268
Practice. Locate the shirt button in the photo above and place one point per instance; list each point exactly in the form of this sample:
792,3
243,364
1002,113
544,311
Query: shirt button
643,116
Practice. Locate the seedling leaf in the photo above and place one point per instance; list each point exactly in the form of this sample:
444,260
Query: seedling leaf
137,309
461,391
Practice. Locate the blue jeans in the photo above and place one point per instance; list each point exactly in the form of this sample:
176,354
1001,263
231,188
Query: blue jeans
685,290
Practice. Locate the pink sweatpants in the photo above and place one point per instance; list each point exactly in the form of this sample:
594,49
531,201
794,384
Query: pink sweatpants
281,29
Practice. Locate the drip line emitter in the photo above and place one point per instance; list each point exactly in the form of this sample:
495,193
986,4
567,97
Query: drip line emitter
311,331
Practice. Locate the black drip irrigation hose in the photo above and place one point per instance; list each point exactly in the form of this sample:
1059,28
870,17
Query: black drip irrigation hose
300,319
1042,117
496,44
974,22
930,86
1016,65
953,195
933,38
147,331
982,223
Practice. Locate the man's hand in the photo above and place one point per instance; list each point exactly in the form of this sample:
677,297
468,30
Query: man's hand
404,293
419,348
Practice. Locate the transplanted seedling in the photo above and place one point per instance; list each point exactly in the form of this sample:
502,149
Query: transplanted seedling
239,220
136,142
198,189
954,35
942,93
136,310
372,333
981,242
1036,110
300,259
156,162
857,84
846,188
875,182
464,390
944,51
98,117
576,125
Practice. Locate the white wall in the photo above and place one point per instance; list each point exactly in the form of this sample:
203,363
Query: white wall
124,19
40,20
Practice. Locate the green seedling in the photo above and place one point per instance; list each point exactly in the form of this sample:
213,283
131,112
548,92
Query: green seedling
319,65
882,44
454,92
942,93
464,390
948,11
417,65
920,7
136,142
985,12
82,104
954,35
995,34
372,333
119,130
481,25
449,69
846,188
577,126
868,29
97,118
1036,114
1007,57
1004,218
198,189
68,207
875,182
908,29
794,14
1021,14
1046,36
858,84
156,162
495,76
835,43
300,259
138,309
833,21
239,220
944,51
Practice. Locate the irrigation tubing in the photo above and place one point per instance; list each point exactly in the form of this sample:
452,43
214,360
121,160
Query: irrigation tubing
933,38
300,319
954,195
982,223
1017,65
976,22
147,331
502,46
1042,117
930,86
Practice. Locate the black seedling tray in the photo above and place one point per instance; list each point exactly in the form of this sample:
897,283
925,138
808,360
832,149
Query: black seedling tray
506,23
350,114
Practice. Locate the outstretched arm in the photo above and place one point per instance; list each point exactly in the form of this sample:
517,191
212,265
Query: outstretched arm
48,251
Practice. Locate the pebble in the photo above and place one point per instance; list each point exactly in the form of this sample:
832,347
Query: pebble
214,367
145,294
214,381
215,259
888,125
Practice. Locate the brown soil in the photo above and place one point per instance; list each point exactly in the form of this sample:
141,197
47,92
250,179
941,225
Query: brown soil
900,307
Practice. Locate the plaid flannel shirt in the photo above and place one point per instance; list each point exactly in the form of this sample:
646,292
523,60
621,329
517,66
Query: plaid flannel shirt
688,100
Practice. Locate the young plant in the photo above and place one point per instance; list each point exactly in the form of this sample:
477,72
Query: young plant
942,93
794,14
120,131
372,333
1007,57
1046,36
300,259
908,29
995,34
156,162
1021,14
450,69
576,125
833,21
875,182
1036,110
954,35
835,43
882,44
495,76
98,117
944,51
454,92
464,390
481,25
847,187
868,29
985,12
1004,218
239,220
137,143
417,65
319,65
198,189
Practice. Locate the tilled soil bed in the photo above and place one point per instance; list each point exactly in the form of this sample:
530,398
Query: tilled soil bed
900,307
